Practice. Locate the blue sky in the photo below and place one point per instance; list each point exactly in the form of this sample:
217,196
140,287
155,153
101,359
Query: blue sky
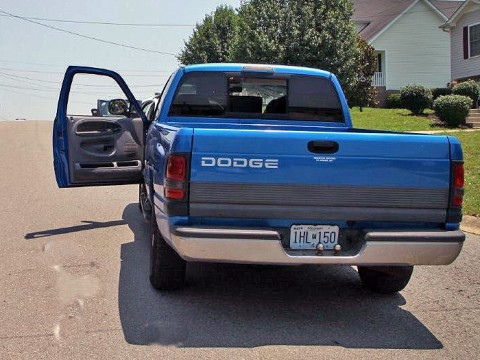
33,58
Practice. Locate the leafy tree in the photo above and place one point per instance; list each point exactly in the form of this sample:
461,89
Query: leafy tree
213,40
314,33
362,93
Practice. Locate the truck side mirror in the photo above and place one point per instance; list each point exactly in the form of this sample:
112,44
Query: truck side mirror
118,107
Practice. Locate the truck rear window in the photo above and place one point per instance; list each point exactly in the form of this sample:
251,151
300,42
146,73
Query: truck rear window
237,95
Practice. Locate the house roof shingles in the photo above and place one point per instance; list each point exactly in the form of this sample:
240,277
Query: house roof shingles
380,13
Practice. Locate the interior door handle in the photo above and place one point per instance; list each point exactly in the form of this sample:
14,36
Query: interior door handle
95,132
323,147
97,128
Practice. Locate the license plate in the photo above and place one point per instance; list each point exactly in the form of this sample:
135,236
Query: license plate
309,236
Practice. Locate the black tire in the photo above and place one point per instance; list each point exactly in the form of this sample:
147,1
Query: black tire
385,279
167,268
144,203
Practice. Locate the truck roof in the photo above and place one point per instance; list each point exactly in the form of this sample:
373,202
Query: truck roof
279,69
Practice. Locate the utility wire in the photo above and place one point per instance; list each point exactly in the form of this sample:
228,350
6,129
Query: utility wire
86,36
25,78
104,22
147,74
29,88
32,71
42,86
381,14
43,89
63,67
15,77
26,94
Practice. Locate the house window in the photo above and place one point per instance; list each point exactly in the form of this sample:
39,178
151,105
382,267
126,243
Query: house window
474,40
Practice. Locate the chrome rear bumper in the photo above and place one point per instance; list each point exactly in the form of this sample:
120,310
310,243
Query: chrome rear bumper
250,246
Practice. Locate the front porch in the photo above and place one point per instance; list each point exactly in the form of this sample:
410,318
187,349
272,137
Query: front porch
380,78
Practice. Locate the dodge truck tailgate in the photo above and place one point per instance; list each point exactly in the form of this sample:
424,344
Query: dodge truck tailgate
341,176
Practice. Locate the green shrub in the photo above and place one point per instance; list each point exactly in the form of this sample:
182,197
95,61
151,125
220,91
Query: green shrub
416,98
452,109
437,92
468,88
394,101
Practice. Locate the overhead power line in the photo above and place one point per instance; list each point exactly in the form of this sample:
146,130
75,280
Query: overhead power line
28,88
30,80
150,74
38,85
32,71
86,36
113,23
26,94
149,71
110,23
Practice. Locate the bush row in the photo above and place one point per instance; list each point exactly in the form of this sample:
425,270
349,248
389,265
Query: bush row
416,98
394,101
452,109
468,88
451,105
437,92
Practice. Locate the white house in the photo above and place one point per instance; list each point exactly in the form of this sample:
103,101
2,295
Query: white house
410,45
464,28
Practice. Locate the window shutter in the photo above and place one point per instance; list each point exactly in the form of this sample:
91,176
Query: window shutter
465,42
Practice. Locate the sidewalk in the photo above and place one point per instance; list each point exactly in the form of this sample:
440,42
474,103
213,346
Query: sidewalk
444,131
470,224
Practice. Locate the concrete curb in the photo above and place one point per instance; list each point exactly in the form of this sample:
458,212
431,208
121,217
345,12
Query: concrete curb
433,132
470,224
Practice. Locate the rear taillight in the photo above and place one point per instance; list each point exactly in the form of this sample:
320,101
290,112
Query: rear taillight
176,167
458,175
175,194
456,192
176,186
458,182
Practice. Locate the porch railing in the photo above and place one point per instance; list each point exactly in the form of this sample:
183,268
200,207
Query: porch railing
379,79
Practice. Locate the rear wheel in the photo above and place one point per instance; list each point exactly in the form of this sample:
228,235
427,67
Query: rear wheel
385,279
167,268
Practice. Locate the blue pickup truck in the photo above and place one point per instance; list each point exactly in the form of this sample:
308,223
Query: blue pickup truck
261,164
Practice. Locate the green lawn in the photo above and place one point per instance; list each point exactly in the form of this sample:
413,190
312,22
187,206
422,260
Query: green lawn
391,119
401,120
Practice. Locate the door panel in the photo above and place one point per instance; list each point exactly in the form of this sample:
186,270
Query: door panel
105,150
97,150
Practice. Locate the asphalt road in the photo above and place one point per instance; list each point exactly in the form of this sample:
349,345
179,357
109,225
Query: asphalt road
74,284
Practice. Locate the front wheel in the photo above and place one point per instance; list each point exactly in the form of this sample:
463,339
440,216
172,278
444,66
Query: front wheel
144,203
167,268
385,279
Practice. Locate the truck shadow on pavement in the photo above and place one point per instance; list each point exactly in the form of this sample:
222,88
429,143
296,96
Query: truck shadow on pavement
88,225
226,305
